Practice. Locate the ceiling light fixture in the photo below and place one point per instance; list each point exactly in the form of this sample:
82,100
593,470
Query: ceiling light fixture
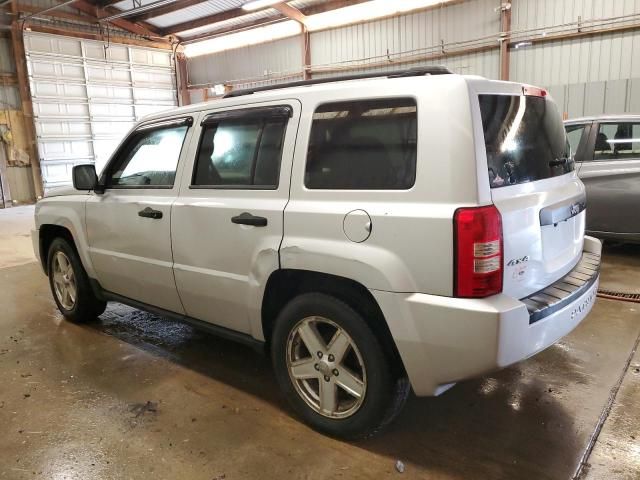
258,4
268,33
523,44
362,12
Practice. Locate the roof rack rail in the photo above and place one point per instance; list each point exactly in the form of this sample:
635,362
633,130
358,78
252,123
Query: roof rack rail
412,72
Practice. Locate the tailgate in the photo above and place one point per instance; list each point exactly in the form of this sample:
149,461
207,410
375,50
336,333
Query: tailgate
533,184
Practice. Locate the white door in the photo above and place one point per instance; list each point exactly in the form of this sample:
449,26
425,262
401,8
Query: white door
227,223
129,225
87,94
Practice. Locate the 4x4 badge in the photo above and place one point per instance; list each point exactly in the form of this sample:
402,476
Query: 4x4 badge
518,261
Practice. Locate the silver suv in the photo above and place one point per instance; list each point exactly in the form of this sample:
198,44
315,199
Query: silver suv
412,229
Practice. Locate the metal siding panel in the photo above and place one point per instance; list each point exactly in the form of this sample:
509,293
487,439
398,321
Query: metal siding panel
248,63
615,96
575,100
20,184
9,97
634,96
591,59
559,94
7,64
635,54
594,98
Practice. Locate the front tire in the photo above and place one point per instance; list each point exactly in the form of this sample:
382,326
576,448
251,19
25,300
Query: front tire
70,284
333,368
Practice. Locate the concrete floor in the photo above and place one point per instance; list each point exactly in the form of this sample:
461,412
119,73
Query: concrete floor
136,396
15,234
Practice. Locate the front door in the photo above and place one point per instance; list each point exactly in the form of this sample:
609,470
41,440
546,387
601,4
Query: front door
227,223
129,225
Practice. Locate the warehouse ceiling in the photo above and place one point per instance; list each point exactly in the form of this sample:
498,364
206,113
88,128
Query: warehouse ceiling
185,20
189,19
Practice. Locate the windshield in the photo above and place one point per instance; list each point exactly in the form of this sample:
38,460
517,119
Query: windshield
524,138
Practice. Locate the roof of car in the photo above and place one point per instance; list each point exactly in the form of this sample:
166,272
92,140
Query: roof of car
607,118
301,91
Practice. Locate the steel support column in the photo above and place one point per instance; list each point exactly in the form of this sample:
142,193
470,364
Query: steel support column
182,79
306,54
505,37
17,41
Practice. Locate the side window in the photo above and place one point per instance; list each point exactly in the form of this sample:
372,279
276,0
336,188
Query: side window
617,141
149,159
363,145
574,135
242,150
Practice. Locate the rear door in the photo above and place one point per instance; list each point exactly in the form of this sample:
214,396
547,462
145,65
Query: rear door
534,186
611,174
227,223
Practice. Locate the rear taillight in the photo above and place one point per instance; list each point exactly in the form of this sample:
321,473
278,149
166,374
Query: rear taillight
478,252
530,91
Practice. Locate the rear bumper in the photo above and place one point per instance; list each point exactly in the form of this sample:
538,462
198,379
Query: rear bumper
443,340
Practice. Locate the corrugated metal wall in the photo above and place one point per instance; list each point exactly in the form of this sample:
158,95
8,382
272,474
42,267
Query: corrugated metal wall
383,43
264,63
9,96
586,76
392,42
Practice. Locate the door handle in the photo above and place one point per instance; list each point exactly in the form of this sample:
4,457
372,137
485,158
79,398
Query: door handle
150,213
247,219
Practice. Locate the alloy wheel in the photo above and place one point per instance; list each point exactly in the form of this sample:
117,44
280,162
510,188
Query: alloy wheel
326,367
64,281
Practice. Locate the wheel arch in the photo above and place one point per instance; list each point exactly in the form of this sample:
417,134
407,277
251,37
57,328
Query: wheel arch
285,284
47,234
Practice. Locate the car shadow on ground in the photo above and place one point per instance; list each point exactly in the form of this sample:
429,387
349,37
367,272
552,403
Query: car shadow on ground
619,248
506,425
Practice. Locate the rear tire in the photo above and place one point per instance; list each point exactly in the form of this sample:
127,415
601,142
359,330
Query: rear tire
333,369
70,285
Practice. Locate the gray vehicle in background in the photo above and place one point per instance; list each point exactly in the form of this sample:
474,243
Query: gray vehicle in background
607,155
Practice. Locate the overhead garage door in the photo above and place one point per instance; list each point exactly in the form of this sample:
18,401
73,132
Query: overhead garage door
87,94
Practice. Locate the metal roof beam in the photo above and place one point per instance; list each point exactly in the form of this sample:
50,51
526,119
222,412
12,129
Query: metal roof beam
291,12
239,12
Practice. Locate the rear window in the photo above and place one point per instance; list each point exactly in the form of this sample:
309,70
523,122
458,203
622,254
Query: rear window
524,138
363,145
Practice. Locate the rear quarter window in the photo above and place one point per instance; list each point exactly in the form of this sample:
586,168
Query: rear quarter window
524,139
363,145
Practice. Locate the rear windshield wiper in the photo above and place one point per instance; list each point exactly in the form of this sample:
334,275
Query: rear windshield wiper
558,161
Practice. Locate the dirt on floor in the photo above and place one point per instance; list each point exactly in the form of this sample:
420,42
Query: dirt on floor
136,396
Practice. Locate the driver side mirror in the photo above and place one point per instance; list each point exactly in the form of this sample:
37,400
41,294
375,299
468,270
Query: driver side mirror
85,177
